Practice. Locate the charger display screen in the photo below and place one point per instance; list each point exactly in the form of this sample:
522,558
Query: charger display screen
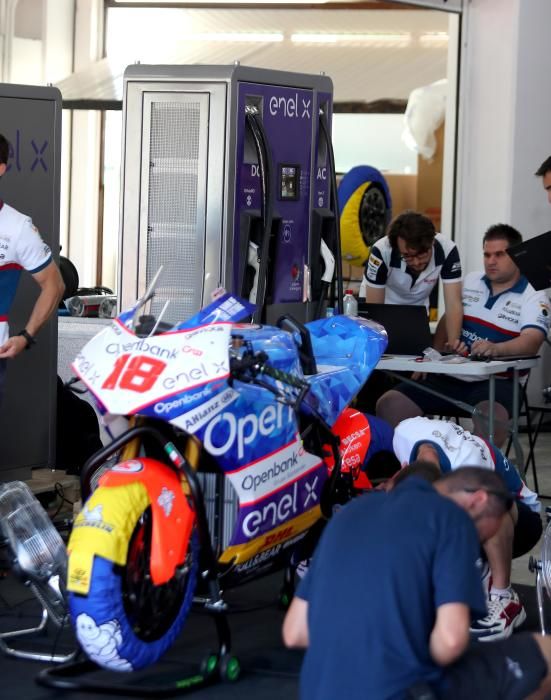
289,182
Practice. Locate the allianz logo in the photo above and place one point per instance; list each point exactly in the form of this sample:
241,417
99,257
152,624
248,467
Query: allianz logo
246,430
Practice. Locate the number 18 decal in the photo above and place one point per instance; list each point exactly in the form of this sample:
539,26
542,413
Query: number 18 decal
140,374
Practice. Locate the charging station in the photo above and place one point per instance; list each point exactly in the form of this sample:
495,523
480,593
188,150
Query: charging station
31,121
227,181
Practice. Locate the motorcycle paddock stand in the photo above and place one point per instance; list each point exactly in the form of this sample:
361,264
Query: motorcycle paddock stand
84,675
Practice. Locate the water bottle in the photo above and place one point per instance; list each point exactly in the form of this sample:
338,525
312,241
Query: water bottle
350,303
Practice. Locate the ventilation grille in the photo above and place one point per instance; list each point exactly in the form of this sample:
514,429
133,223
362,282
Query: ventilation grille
221,525
175,238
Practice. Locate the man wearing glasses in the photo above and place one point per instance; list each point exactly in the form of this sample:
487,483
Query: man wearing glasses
384,610
405,265
450,447
503,316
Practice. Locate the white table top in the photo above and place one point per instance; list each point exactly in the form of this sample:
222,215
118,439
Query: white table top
408,363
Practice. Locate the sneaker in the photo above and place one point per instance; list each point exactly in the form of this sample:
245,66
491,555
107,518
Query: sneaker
505,613
302,568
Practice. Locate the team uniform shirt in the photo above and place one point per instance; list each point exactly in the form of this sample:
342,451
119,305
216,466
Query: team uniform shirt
384,564
457,448
386,270
21,248
382,434
503,316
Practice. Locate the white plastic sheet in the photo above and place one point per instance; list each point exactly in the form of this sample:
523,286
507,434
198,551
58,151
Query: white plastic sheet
425,112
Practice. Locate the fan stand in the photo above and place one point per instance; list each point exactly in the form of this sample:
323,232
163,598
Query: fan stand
534,565
28,654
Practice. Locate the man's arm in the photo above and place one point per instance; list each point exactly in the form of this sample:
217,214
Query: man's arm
450,635
51,290
527,343
454,314
295,625
375,295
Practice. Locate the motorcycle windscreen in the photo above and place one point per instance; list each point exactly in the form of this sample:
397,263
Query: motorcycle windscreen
346,350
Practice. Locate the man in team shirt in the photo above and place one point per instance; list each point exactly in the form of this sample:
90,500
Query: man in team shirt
450,447
502,316
22,248
405,266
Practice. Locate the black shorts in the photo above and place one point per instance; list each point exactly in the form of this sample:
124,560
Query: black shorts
509,669
527,530
471,393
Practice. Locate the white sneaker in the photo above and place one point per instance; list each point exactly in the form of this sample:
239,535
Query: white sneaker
302,568
505,614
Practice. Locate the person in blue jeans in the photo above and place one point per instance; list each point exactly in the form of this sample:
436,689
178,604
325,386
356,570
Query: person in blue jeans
387,602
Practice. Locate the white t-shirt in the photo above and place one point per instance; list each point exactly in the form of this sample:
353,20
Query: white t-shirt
21,248
386,270
456,448
503,316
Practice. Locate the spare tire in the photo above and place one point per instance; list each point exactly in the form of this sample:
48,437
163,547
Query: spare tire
365,209
69,275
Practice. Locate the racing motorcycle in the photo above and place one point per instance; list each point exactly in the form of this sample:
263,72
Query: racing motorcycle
266,407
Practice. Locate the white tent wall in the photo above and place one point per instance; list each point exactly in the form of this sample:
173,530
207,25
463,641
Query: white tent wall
504,130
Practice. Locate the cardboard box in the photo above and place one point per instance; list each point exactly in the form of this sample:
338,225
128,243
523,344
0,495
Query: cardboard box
429,182
403,191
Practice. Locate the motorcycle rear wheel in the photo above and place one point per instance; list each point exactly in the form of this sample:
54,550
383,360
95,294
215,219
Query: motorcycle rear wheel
125,622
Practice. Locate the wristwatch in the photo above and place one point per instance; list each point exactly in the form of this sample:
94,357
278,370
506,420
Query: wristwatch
28,337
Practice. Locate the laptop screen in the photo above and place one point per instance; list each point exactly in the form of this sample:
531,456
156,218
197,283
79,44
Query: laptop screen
533,259
407,326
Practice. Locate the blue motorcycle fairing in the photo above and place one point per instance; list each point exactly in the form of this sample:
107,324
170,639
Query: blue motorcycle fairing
346,351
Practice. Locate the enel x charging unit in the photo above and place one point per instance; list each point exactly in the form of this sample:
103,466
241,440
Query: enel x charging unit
226,181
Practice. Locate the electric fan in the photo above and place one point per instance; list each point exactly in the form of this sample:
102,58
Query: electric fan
542,568
38,557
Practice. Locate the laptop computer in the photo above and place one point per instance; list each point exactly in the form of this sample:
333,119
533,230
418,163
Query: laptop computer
533,259
407,326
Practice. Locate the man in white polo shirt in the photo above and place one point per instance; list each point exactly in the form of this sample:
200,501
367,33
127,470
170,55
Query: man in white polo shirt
22,248
450,447
405,266
502,315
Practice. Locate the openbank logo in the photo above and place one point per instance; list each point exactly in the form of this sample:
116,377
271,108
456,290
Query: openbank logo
164,407
273,473
227,431
275,470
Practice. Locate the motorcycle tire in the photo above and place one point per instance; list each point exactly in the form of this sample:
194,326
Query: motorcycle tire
365,205
125,622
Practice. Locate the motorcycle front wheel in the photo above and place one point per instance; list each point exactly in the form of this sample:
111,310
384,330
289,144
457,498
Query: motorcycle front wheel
125,622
